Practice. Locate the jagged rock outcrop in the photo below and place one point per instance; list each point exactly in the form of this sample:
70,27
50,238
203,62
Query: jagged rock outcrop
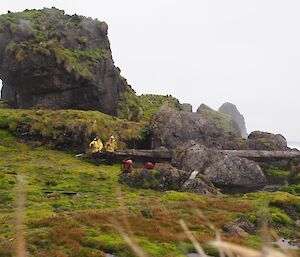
222,121
258,140
231,109
171,128
235,172
57,61
187,107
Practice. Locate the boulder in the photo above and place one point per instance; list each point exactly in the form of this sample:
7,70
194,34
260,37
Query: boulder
258,140
57,61
166,177
221,120
231,109
235,172
198,186
171,128
194,156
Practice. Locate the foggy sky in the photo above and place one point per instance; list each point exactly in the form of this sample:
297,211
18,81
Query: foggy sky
212,51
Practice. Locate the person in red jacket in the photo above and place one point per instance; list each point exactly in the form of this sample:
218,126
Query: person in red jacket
149,166
126,166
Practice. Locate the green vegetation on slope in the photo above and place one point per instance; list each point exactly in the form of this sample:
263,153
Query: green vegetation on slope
150,104
68,129
222,121
129,106
44,38
84,224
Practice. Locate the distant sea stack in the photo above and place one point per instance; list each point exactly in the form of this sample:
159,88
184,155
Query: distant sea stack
56,61
230,109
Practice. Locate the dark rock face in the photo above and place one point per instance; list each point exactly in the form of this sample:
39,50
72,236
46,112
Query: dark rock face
171,128
56,61
193,156
230,109
235,172
258,140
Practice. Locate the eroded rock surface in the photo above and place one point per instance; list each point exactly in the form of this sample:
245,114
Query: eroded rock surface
194,156
235,172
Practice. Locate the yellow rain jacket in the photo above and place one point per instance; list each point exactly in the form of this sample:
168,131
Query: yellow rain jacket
111,145
96,146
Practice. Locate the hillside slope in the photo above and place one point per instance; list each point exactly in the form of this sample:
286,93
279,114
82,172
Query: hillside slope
75,208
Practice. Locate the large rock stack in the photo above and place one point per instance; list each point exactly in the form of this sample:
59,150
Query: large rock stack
57,61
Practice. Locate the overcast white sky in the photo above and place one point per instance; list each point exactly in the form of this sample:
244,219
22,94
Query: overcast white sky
205,51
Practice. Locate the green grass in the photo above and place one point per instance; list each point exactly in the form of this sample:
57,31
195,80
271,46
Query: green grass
44,39
277,176
85,224
68,129
150,104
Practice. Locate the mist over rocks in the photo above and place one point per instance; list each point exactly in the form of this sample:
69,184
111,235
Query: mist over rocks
56,61
231,109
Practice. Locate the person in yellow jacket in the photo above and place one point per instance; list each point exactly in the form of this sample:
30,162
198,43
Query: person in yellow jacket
110,148
95,148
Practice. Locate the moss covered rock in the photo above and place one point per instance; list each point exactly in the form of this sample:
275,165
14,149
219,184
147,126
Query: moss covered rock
52,60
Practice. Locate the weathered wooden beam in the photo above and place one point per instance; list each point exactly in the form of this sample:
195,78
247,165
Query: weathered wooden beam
262,154
252,154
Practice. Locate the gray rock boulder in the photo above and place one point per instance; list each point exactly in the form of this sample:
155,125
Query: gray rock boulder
166,177
194,156
198,186
258,140
235,172
221,120
171,128
231,109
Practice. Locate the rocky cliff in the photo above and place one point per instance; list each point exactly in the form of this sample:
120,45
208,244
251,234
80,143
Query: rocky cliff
231,109
52,60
